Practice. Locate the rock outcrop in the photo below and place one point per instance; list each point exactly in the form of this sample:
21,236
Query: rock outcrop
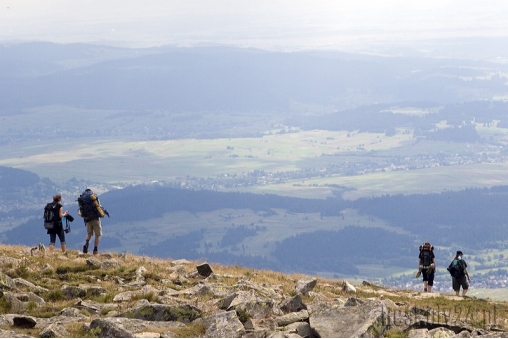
156,298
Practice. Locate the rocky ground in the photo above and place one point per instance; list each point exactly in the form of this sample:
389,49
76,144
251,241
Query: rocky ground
121,295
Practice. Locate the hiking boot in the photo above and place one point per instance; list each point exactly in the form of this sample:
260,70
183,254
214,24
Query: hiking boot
85,248
95,252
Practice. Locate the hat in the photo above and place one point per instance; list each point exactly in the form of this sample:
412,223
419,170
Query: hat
459,253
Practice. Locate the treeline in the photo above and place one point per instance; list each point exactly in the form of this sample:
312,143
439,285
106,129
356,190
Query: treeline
379,119
472,217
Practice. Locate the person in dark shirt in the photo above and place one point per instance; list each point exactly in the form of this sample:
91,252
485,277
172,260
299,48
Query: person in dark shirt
429,268
58,230
462,279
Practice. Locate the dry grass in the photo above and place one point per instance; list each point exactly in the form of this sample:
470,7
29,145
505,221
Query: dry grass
73,270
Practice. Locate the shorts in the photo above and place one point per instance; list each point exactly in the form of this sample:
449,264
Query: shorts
428,277
61,236
94,227
458,282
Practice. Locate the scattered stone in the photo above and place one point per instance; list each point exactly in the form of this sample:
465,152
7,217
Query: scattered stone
161,312
293,304
54,331
6,283
73,292
24,321
110,264
418,333
441,332
305,285
334,320
22,283
293,317
222,325
93,263
204,269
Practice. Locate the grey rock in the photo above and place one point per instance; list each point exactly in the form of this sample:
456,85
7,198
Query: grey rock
12,334
180,262
93,263
110,264
463,334
335,320
418,333
293,304
251,304
110,329
93,290
222,325
73,292
54,331
72,312
161,312
224,303
293,317
302,329
6,283
441,332
305,285
23,284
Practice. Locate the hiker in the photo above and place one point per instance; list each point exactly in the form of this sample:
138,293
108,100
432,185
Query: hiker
458,270
427,266
57,228
91,211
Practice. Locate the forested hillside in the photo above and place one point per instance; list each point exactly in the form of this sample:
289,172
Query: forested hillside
471,219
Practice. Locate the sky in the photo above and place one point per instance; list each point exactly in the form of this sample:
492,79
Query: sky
279,25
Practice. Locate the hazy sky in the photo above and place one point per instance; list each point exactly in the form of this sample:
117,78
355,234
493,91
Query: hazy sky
257,23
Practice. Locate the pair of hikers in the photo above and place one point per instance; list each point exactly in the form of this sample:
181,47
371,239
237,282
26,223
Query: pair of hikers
457,269
90,210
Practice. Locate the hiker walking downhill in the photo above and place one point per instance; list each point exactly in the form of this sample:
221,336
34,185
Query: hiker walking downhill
91,211
53,214
459,273
427,266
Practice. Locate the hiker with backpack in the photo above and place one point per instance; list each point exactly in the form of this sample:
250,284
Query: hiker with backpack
459,273
91,211
53,214
427,266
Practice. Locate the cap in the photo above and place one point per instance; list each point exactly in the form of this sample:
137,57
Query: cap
459,253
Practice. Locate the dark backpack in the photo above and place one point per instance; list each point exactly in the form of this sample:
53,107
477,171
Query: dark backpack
51,215
426,254
89,205
456,269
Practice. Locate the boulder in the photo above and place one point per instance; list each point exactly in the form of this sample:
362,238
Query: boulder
93,263
23,284
251,304
110,264
418,333
293,304
204,269
441,332
293,317
302,329
54,330
6,283
92,290
108,328
348,288
329,319
305,285
73,292
24,321
222,325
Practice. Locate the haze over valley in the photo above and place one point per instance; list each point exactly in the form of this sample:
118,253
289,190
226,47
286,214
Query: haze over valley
336,162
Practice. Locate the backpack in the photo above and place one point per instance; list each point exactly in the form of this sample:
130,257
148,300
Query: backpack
51,215
456,269
89,205
426,254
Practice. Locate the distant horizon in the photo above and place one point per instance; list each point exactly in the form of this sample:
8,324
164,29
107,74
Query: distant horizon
281,26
